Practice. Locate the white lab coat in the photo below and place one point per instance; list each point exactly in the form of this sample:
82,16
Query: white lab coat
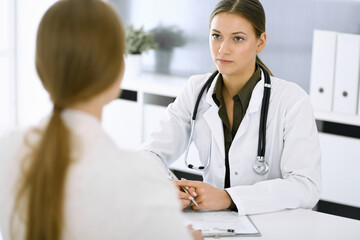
292,146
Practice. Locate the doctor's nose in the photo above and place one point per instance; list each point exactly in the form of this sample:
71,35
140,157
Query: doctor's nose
224,49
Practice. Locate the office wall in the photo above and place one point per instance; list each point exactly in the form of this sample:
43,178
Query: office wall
7,85
33,102
290,25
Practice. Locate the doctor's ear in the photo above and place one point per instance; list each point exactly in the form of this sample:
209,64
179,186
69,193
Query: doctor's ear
261,42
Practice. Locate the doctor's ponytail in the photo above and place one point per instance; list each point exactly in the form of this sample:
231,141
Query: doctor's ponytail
252,10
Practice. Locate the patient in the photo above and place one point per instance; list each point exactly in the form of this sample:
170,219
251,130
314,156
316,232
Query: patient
65,178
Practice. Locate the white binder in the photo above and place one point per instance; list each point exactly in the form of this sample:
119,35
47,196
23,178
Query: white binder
323,69
346,91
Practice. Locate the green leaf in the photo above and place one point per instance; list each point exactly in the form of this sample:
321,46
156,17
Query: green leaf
138,40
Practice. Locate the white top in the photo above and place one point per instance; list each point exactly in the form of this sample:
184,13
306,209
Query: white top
110,193
292,146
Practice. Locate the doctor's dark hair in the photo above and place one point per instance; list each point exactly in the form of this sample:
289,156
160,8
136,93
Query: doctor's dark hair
79,54
252,10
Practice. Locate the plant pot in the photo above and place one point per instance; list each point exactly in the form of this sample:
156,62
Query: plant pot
132,65
163,60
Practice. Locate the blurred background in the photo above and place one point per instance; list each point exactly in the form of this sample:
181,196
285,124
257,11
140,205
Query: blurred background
290,25
183,27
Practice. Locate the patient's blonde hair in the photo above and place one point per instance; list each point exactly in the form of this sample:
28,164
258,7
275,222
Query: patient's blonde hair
79,53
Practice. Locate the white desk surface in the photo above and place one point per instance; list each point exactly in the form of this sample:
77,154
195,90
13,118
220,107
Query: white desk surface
301,224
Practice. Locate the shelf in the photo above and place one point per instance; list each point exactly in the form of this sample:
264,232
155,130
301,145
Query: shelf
337,118
159,84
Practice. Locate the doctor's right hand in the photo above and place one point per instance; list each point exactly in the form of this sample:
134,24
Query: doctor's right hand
208,197
185,198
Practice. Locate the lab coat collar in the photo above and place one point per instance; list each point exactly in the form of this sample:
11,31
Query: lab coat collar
213,120
254,106
256,96
209,98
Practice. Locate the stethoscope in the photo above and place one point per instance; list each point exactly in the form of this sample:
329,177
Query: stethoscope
260,166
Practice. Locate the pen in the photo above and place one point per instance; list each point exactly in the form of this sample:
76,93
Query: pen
173,177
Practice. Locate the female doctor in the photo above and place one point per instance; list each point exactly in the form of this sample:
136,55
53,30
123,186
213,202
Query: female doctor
256,135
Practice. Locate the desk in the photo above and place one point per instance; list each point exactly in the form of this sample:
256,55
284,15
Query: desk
301,224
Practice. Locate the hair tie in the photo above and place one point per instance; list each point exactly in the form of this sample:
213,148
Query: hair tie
57,108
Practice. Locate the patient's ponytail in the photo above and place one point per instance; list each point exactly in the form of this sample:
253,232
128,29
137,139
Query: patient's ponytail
44,181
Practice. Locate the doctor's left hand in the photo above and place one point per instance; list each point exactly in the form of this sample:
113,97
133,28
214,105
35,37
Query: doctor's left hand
208,197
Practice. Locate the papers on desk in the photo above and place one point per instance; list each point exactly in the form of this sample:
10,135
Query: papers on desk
220,223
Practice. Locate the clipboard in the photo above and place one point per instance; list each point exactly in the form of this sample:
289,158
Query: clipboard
221,223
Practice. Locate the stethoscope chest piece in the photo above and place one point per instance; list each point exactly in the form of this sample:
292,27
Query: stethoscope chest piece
261,167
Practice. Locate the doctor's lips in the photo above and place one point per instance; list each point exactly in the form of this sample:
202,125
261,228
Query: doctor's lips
223,61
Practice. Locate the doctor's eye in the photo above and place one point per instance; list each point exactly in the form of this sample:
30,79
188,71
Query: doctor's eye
238,39
215,36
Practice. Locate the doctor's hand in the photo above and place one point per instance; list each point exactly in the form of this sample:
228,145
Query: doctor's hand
208,197
185,198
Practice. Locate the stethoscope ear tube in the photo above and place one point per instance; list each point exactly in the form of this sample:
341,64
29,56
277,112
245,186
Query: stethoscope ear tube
188,148
261,166
192,123
189,143
206,85
263,116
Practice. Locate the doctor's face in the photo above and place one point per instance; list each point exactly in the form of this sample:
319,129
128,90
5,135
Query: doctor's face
233,44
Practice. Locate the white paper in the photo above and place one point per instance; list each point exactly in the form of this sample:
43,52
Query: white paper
218,221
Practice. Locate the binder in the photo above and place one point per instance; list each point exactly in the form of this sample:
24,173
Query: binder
347,74
323,69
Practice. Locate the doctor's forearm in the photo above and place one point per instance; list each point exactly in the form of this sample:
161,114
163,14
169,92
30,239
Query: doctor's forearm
154,157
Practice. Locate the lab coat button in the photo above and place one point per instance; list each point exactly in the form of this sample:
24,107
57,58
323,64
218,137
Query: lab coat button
236,173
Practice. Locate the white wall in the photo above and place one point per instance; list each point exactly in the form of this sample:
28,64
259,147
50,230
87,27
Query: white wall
33,101
7,50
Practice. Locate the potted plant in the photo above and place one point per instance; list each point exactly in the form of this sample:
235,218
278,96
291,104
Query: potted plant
167,38
137,42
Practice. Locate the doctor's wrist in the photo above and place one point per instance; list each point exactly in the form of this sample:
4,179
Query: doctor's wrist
232,206
226,200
